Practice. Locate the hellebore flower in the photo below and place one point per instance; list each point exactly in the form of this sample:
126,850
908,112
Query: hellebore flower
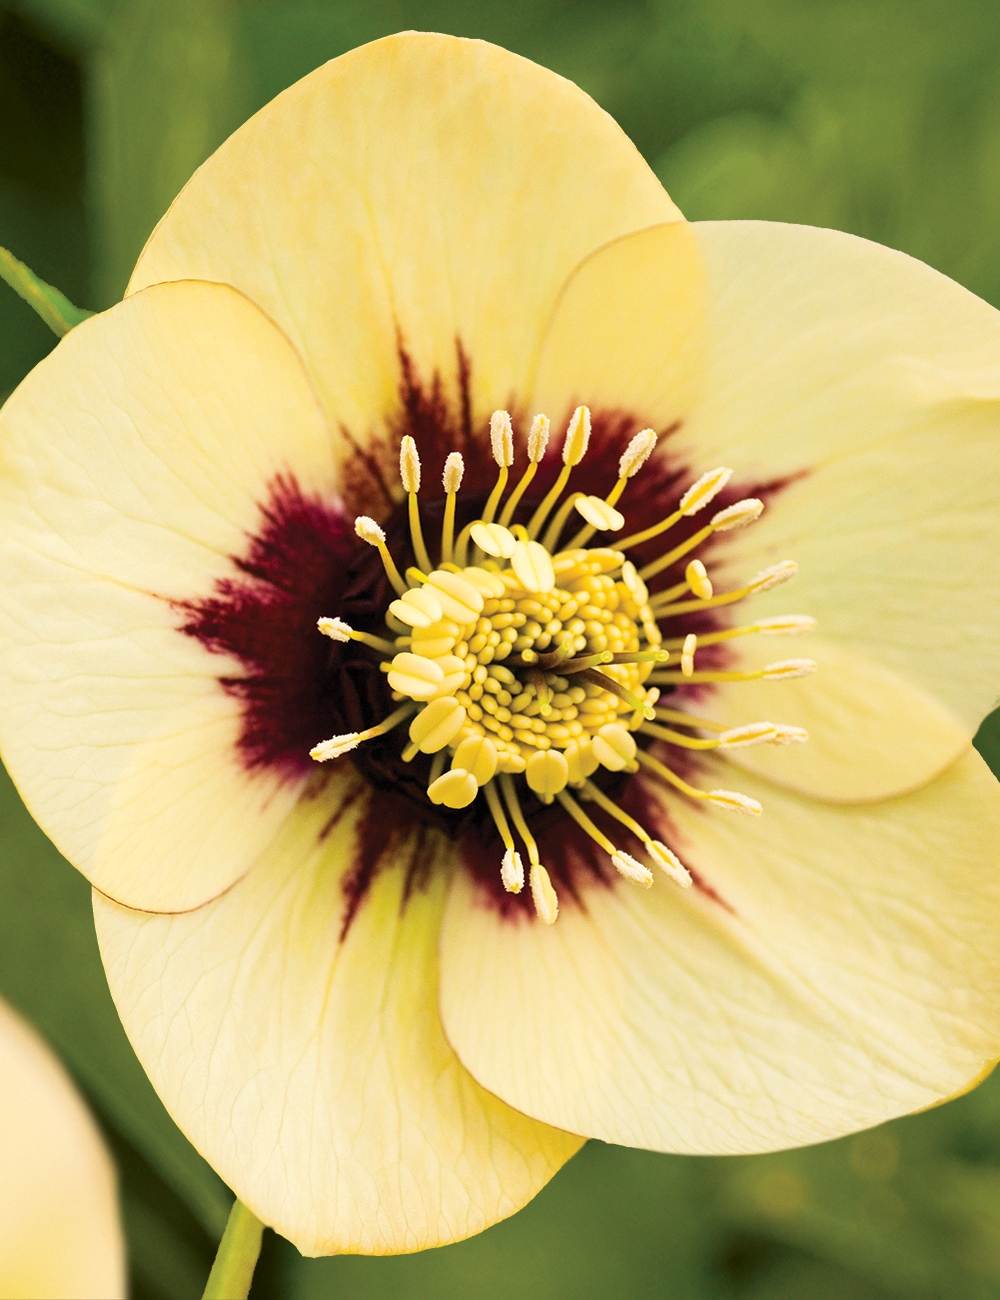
60,1230
369,707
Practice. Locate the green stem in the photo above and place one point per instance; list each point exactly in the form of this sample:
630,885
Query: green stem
54,307
236,1259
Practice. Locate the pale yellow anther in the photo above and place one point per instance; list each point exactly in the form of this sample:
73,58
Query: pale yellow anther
543,895
454,469
547,773
512,872
786,735
671,863
600,515
335,747
613,746
437,724
538,438
773,576
494,539
455,789
785,625
477,755
415,676
368,530
490,585
581,761
787,668
636,453
409,465
455,674
577,436
733,801
501,438
512,763
737,515
458,598
632,870
532,566
696,577
637,588
335,628
688,653
417,607
700,493
752,733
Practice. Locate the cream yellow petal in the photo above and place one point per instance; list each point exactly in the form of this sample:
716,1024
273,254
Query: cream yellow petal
133,462
850,973
878,380
60,1229
423,188
648,286
872,732
313,1072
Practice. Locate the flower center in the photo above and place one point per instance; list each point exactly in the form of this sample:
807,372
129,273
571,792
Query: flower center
522,659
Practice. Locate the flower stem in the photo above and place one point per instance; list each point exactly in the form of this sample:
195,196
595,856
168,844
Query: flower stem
54,307
236,1258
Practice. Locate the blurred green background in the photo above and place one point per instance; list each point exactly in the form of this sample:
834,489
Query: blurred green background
880,117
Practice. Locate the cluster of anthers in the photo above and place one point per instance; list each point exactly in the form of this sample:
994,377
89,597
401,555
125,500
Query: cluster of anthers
513,660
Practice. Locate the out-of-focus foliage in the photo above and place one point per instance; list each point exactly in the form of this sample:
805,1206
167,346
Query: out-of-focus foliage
877,116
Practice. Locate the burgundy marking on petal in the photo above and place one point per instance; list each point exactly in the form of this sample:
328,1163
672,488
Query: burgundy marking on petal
293,572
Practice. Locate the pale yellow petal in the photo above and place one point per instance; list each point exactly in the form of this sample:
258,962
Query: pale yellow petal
134,461
313,1073
423,189
872,732
877,380
646,286
856,976
60,1229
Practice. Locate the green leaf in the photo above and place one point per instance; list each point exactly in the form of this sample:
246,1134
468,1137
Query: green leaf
54,307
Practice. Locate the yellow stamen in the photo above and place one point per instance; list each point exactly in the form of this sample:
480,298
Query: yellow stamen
338,745
538,440
780,671
774,576
574,450
734,516
781,625
369,531
729,799
694,499
632,460
502,446
409,472
454,471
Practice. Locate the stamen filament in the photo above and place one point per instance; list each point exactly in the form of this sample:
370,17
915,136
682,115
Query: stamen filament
417,536
661,769
328,749
559,522
787,625
677,738
665,561
369,531
770,672
555,492
499,818
688,720
454,470
515,497
602,800
584,822
517,816
647,534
